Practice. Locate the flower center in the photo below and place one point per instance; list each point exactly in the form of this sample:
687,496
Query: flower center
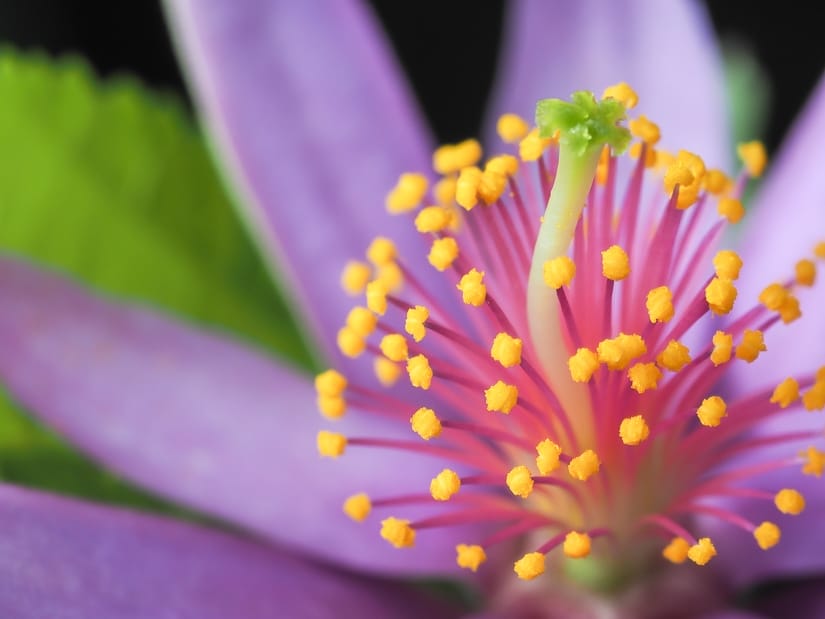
573,382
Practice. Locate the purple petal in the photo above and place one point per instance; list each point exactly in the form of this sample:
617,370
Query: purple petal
784,226
799,551
203,421
63,558
315,126
665,50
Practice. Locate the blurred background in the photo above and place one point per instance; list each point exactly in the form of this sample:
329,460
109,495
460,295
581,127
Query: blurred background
131,37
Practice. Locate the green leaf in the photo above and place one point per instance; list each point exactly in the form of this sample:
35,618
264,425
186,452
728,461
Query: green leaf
114,185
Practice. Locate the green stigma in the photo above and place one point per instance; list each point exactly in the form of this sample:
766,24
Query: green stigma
585,126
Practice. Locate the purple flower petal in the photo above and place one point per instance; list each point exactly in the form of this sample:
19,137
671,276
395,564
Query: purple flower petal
665,50
785,224
315,126
209,423
63,558
799,551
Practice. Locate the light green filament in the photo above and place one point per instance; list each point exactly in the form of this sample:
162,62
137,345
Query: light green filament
585,126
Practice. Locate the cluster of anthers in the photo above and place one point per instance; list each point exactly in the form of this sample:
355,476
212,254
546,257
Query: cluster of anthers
573,378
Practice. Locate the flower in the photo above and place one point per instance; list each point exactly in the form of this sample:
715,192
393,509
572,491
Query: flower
222,428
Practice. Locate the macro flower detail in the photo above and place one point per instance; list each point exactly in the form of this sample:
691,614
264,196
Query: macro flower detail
575,379
316,130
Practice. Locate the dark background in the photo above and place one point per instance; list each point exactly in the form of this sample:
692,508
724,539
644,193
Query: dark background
130,36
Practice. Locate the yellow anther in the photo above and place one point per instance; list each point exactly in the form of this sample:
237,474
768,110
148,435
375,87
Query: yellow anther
470,557
789,311
466,188
492,186
394,347
548,458
819,250
603,169
617,353
731,209
720,295
677,174
677,550
583,365
443,253
511,128
711,411
520,481
501,397
376,295
722,348
674,357
789,501
702,552
785,393
444,191
332,406
635,151
350,343
473,290
444,485
727,264
632,344
361,320
420,372
583,466
330,383
391,276
532,146
814,398
407,193
767,535
615,263
398,532
529,566
753,157
425,423
642,128
717,182
634,430
814,461
414,324
623,93
506,349
432,219
805,272
576,545
506,165
659,303
387,372
331,444
688,172
753,342
664,160
453,157
644,377
358,507
355,276
559,272
773,297
381,251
